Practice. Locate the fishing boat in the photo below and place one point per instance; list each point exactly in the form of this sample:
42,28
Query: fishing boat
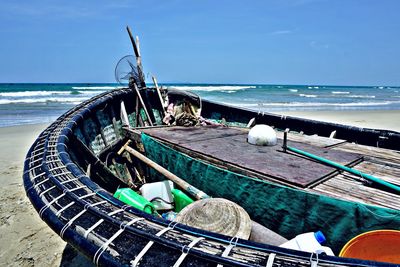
339,179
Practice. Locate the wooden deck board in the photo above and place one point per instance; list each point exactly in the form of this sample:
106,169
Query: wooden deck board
346,187
229,145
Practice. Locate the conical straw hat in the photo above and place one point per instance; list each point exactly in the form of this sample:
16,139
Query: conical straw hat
217,215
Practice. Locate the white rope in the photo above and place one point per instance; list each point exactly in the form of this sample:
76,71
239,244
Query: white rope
68,181
74,189
36,160
147,247
64,208
57,168
38,175
87,232
49,204
69,223
122,227
312,262
85,235
188,248
88,195
271,259
47,190
232,244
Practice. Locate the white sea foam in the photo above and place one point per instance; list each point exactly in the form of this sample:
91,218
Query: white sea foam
90,92
361,96
96,87
340,92
308,104
293,90
43,100
211,87
305,95
33,93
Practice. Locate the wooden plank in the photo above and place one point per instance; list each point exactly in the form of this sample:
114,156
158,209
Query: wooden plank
379,153
229,145
345,187
351,187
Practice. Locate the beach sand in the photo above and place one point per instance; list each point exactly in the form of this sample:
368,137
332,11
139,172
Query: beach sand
25,240
377,119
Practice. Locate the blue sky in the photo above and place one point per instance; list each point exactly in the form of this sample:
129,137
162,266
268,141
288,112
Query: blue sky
341,42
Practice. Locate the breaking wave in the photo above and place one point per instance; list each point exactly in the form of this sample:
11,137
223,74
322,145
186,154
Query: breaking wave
211,87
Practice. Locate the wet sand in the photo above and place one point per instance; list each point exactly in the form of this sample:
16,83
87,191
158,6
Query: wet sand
25,240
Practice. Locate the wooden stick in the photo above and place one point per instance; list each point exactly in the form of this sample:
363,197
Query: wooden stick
135,49
138,119
142,103
139,63
194,192
124,115
138,57
122,149
138,46
159,95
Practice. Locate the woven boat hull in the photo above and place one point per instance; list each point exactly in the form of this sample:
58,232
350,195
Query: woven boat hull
84,213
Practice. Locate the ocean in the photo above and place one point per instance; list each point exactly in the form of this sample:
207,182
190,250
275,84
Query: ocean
43,103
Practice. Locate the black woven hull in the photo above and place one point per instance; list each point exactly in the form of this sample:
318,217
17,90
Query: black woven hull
110,233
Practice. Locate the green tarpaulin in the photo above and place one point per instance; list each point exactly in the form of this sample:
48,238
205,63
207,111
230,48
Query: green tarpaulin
284,210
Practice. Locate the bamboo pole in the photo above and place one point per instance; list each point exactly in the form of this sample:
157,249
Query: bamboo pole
142,103
159,94
193,191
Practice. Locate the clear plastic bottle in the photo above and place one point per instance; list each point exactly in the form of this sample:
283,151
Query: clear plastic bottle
309,242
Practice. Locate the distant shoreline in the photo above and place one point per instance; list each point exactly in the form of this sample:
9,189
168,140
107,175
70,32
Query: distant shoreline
375,119
26,104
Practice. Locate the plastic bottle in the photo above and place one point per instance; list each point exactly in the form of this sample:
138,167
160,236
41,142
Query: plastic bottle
309,242
181,199
130,197
157,192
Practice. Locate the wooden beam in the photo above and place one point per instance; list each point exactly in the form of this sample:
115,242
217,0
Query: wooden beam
194,192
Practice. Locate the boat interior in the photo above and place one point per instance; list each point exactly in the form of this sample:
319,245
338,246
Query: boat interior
285,192
76,165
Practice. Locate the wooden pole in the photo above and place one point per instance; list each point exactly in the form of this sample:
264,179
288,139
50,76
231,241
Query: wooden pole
193,191
142,103
135,49
138,57
159,95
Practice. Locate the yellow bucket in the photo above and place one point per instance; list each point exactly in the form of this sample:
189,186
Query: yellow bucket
379,245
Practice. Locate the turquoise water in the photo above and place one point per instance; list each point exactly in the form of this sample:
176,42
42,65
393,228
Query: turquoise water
43,103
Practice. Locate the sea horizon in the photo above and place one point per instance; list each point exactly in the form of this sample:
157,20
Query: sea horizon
31,103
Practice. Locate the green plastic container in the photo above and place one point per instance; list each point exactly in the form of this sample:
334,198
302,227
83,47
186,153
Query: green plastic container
130,197
181,199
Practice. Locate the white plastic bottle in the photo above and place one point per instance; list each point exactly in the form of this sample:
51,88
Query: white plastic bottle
309,242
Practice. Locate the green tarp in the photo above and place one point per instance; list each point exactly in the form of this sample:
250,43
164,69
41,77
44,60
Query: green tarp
284,210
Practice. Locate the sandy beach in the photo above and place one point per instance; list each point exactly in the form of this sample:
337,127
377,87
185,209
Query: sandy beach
377,119
25,240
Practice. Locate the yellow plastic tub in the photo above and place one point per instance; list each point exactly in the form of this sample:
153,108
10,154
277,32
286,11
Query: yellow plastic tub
378,245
